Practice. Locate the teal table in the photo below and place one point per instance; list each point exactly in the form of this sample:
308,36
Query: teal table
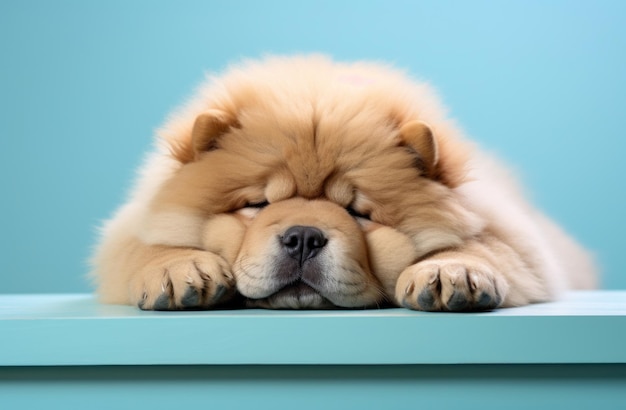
68,351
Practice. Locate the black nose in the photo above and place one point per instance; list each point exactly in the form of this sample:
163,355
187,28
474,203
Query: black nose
303,242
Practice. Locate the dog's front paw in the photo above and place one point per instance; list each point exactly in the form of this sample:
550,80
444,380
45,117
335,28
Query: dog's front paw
451,284
183,279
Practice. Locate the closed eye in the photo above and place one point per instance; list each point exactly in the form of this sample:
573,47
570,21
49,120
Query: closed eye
258,205
251,209
356,213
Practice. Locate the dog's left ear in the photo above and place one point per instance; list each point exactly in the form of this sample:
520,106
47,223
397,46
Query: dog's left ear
419,138
207,128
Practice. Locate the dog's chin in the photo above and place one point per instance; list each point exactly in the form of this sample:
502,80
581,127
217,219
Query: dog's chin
297,295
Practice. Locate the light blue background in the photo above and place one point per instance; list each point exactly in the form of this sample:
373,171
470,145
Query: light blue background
83,84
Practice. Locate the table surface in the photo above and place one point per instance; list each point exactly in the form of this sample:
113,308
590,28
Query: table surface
74,329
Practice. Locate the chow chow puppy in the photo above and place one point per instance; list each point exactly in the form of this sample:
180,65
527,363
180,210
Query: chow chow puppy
305,183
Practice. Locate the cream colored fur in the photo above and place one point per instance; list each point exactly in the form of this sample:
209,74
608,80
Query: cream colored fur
449,229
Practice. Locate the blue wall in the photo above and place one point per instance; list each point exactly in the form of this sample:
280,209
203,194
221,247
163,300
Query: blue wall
84,84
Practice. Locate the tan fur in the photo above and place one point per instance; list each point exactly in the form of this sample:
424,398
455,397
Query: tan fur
446,228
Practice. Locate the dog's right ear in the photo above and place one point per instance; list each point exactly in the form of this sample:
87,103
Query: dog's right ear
207,128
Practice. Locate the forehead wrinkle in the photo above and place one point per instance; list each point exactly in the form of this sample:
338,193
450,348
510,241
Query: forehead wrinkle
309,167
308,175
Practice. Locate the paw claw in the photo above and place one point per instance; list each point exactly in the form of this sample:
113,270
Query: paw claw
473,279
426,299
457,302
191,298
162,302
434,278
219,293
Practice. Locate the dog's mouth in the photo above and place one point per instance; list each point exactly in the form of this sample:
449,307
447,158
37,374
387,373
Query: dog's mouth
296,295
298,289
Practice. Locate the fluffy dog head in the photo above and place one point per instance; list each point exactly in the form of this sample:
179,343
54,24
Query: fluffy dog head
318,182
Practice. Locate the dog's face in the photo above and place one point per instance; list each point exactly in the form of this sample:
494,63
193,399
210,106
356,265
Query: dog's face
299,253
312,207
